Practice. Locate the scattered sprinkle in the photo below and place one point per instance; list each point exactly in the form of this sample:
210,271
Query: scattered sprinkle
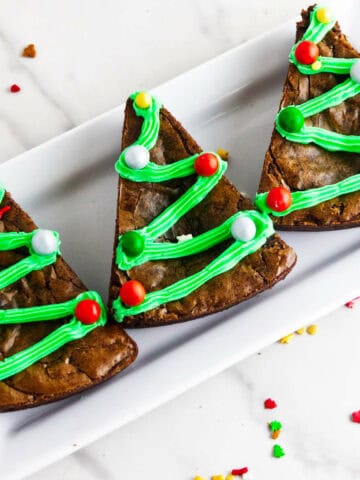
229,477
29,51
224,154
300,331
270,403
198,478
217,477
183,238
3,210
278,452
355,416
312,329
275,435
287,339
275,425
15,88
352,302
240,471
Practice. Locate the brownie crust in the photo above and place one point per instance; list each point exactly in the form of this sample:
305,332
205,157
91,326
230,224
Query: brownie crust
301,167
140,203
75,367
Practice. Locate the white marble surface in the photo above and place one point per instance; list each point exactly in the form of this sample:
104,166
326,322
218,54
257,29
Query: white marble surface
91,54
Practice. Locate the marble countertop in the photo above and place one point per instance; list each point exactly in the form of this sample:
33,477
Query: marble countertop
91,54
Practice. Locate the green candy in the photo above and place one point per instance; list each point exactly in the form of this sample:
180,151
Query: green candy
278,451
132,243
291,119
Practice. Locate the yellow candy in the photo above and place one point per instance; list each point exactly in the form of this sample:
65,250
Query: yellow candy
217,477
300,331
229,477
143,100
323,15
287,339
316,65
224,154
312,329
198,478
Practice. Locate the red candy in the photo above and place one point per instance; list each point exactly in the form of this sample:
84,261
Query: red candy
15,88
270,404
132,293
306,52
356,417
279,199
87,312
206,164
239,471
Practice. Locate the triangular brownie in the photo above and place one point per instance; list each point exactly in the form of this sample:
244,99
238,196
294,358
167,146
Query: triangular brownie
160,174
316,139
37,285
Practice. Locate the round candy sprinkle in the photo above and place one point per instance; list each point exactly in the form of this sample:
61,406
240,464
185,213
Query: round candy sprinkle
316,65
206,164
291,119
355,71
132,243
143,100
132,293
355,416
44,242
270,403
279,199
312,329
243,229
15,88
306,52
137,157
324,15
87,311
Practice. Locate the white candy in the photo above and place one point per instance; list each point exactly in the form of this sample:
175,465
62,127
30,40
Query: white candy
44,242
137,157
243,228
355,72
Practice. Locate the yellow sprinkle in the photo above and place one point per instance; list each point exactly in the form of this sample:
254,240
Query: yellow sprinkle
229,477
287,339
300,331
316,65
224,154
217,477
312,329
143,100
198,478
275,434
324,15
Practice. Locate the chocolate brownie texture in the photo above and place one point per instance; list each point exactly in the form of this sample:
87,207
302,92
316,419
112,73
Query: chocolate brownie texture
140,203
300,167
75,367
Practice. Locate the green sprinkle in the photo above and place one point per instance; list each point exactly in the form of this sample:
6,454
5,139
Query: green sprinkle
275,425
278,452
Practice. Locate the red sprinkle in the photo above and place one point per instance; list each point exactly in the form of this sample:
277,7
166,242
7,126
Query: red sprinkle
356,417
352,302
270,404
15,88
239,471
4,210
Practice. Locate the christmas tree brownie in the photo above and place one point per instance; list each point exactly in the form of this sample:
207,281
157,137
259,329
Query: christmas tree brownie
310,178
187,243
54,336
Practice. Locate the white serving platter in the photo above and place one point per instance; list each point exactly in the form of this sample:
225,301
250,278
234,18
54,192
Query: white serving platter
69,184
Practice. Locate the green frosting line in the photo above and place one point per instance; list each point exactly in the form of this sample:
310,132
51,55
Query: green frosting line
12,240
223,263
68,332
167,250
310,198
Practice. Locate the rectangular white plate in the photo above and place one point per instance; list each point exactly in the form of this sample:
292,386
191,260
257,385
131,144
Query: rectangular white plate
69,184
